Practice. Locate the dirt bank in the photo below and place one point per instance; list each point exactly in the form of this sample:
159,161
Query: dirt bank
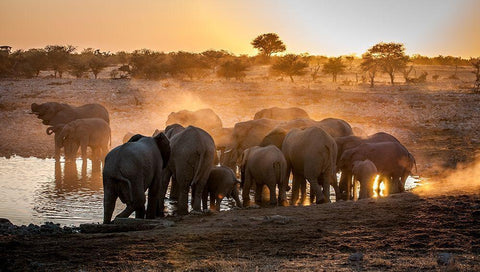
404,232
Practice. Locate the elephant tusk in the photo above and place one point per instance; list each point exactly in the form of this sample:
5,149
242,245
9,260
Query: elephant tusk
227,151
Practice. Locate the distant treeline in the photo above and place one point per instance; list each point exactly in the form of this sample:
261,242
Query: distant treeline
153,65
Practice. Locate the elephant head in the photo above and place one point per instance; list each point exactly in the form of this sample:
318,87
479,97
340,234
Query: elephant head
46,111
68,139
349,157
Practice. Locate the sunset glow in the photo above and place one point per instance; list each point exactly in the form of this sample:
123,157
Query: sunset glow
318,27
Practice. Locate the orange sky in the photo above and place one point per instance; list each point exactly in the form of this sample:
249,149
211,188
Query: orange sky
428,27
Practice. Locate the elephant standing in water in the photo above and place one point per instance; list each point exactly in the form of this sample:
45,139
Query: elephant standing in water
348,142
392,159
56,115
190,164
264,166
131,169
89,132
365,172
221,183
311,154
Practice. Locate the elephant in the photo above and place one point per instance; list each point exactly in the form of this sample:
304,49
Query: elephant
132,168
173,129
264,166
221,183
53,113
244,135
277,113
92,132
127,136
190,164
311,154
251,133
275,137
392,159
365,172
206,119
57,138
348,142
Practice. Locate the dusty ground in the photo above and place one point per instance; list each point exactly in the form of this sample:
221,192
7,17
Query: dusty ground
439,122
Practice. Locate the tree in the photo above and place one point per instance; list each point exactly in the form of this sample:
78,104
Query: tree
37,59
58,57
232,68
213,57
268,44
78,66
476,65
334,66
147,64
370,66
186,63
390,57
290,65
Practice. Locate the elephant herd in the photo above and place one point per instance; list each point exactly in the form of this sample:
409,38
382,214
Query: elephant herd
196,153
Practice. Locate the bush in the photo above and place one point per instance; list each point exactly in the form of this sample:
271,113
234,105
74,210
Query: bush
232,69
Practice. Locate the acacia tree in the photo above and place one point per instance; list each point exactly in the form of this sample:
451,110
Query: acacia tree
334,66
213,57
390,58
233,68
370,66
290,65
58,57
268,44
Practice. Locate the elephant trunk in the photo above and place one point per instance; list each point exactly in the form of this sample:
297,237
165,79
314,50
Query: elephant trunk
50,130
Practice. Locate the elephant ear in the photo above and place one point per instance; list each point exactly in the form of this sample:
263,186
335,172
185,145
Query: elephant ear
164,145
135,138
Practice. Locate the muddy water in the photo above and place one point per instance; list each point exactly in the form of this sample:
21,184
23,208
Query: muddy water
34,190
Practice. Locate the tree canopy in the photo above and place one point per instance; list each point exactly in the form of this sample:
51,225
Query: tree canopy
268,44
290,65
389,57
334,66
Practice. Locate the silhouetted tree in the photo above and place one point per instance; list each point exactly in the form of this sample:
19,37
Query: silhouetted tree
334,66
214,57
78,66
148,64
476,65
232,69
390,57
58,57
37,59
290,65
185,63
268,44
370,66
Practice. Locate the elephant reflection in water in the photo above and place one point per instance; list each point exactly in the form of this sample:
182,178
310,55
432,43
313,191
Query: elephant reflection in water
70,180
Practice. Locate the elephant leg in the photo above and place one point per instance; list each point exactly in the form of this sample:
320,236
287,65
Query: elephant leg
174,189
204,199
343,184
212,200
217,203
326,180
109,200
297,179
165,178
303,190
246,189
236,198
273,195
138,200
282,193
336,188
153,195
57,152
315,189
127,212
258,193
197,194
183,189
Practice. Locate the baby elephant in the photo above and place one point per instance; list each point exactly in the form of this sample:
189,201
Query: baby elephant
264,166
365,172
221,183
92,132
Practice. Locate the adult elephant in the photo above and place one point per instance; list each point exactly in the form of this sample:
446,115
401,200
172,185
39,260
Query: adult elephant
311,154
264,166
190,164
53,113
333,126
131,169
205,119
58,114
88,132
348,142
277,113
392,160
244,135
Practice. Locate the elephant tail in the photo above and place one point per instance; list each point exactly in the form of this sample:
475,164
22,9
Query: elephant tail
128,195
278,172
199,169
